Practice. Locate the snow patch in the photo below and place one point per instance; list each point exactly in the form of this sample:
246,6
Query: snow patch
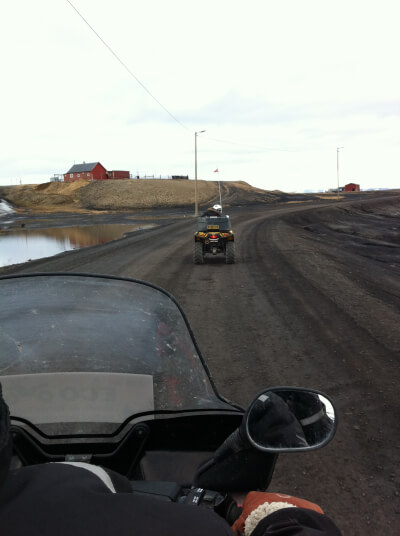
5,208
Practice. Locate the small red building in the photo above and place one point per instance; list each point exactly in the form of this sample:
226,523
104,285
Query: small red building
93,172
351,187
118,174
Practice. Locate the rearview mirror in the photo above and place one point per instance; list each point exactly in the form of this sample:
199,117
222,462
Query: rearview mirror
288,419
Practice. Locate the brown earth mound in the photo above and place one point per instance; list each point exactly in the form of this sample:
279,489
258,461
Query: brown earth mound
117,195
46,197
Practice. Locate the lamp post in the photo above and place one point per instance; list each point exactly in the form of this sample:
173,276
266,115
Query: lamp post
337,168
196,208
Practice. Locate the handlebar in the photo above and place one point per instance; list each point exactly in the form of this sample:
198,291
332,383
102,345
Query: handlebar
221,503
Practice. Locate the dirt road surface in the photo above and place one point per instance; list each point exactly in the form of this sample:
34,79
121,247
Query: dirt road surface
313,300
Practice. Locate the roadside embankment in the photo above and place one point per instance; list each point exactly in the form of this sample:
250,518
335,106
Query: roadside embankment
120,195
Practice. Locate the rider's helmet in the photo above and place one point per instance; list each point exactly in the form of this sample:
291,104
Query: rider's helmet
217,207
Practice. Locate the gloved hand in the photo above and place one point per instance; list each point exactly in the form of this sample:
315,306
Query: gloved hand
271,423
258,505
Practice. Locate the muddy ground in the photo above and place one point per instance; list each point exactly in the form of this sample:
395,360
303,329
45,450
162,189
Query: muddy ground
313,300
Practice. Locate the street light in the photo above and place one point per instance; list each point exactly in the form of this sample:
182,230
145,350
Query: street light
196,208
337,168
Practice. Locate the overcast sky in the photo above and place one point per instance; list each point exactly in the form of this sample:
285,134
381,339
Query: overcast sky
277,85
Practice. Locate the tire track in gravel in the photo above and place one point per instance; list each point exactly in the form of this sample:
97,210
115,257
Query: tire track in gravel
327,346
294,309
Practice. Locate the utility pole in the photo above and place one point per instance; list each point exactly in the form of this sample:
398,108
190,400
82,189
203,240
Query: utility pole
337,168
196,207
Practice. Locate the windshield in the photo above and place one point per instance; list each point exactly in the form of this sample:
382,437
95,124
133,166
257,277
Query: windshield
84,348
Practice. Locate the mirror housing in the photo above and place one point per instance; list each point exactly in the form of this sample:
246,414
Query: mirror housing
290,419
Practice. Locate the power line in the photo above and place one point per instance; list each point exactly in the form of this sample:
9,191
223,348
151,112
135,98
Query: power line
126,67
269,149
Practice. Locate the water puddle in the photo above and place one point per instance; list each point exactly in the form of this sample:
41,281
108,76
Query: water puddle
5,208
22,245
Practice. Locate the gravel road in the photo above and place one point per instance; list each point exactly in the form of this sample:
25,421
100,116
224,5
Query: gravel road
313,300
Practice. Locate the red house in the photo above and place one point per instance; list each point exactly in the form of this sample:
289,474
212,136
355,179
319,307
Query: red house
92,172
351,187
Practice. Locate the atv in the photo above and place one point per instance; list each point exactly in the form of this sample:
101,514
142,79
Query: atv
213,236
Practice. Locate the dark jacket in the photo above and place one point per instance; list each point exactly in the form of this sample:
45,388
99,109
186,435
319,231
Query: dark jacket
65,499
211,212
62,499
54,498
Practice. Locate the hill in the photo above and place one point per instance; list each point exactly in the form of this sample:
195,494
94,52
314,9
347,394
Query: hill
116,195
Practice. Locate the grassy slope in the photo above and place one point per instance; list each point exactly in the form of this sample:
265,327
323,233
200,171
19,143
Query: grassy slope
132,194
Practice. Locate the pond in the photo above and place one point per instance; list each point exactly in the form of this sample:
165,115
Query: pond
22,245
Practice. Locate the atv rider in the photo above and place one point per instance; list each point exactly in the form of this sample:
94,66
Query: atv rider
82,499
214,211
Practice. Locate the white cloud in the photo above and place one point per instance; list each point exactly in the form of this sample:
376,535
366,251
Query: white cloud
296,78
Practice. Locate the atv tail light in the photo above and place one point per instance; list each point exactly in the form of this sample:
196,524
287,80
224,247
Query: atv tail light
213,236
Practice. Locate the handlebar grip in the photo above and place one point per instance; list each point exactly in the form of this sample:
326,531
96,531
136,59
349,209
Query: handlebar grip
233,443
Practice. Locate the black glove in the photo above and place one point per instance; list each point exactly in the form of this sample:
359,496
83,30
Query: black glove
272,424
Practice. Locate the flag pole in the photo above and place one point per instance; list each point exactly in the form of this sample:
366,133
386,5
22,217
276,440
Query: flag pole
219,188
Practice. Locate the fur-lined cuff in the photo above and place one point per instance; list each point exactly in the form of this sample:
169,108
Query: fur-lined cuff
261,512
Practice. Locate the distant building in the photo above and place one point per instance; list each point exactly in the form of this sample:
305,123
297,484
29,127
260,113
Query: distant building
335,190
93,171
351,187
118,175
57,178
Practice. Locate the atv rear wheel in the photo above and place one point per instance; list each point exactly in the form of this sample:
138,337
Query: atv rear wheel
198,253
230,253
